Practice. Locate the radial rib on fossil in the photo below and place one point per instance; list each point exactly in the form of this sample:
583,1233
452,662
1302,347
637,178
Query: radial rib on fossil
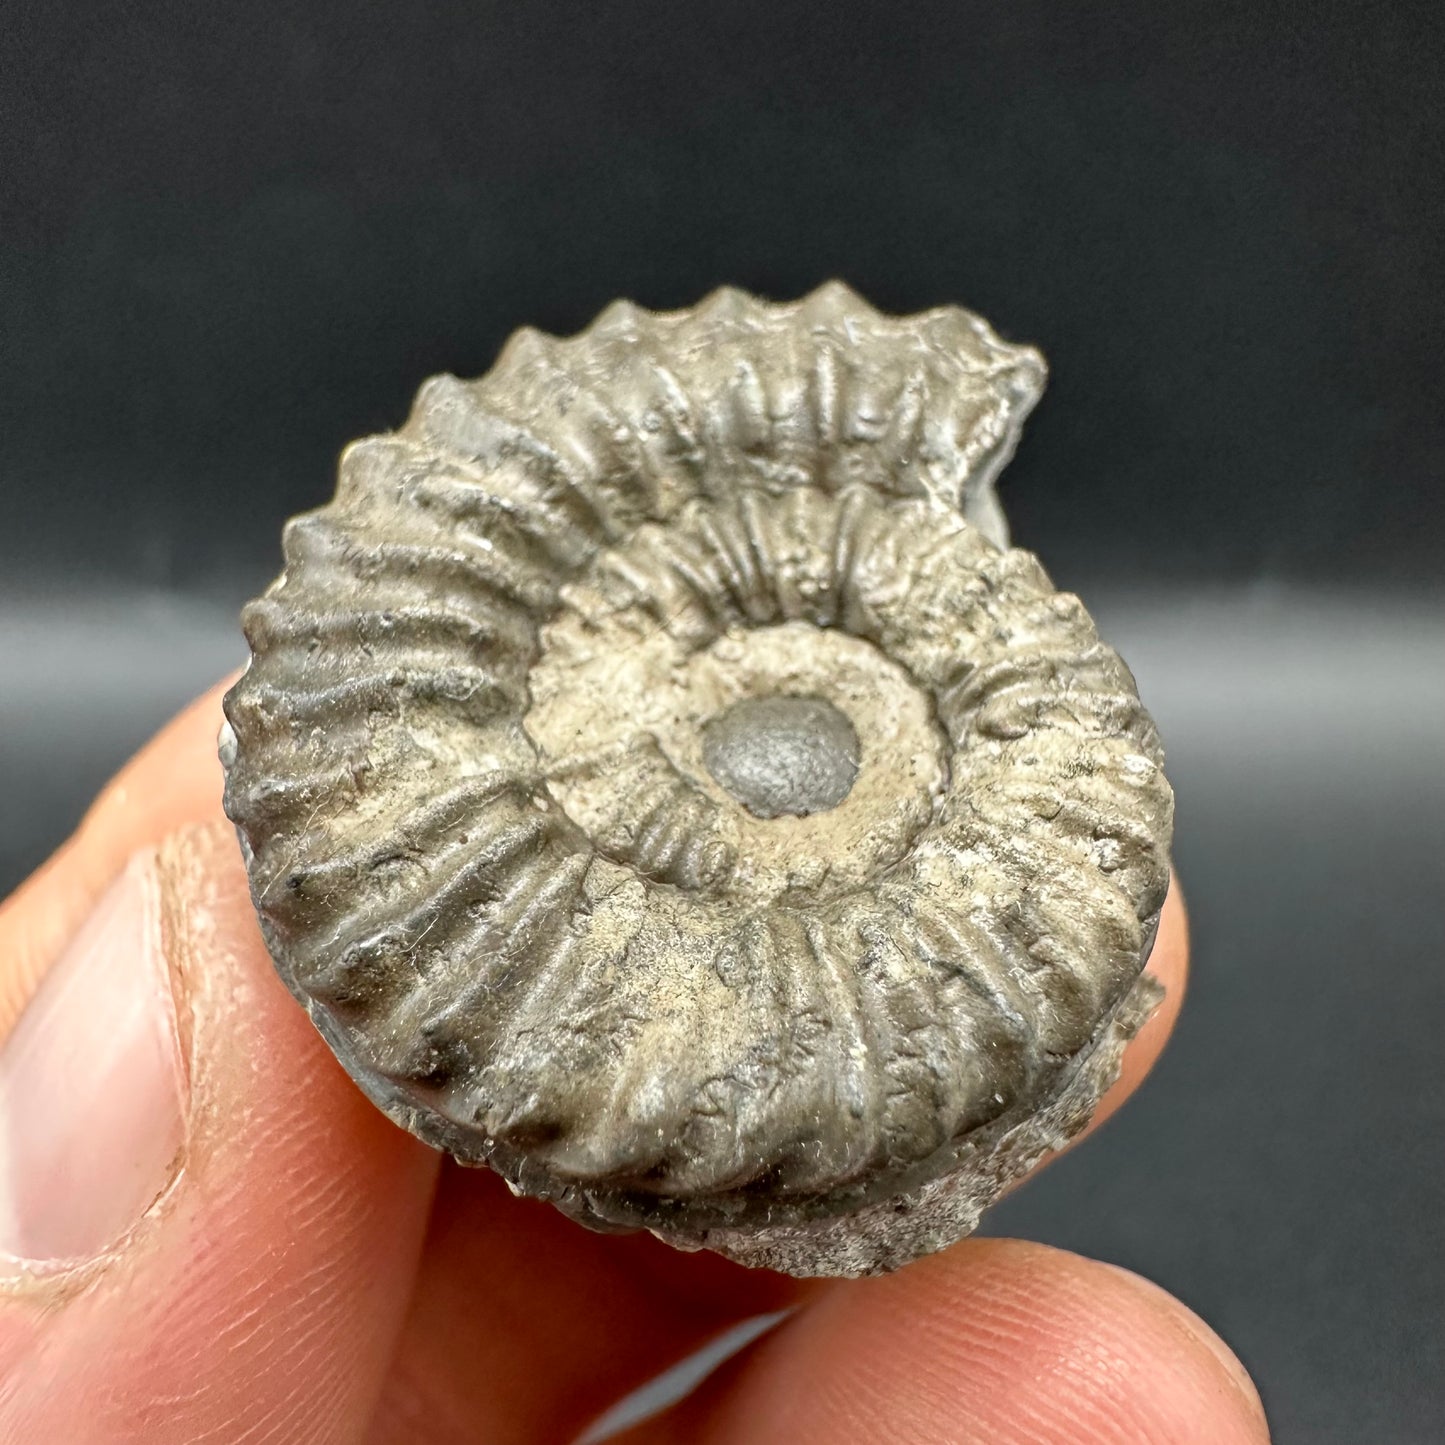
660,781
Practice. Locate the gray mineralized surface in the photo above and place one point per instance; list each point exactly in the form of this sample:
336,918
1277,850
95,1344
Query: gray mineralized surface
779,755
660,781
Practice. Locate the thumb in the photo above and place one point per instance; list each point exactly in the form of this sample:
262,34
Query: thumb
206,1232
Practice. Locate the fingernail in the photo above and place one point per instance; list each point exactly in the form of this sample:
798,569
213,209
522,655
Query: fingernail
93,1088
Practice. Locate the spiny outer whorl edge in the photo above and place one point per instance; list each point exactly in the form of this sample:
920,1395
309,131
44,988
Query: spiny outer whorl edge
470,771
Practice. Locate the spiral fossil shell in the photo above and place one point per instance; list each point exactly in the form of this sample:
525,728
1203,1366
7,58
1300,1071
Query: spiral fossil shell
660,781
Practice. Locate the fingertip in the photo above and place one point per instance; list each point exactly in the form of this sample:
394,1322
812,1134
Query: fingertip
992,1340
1175,1314
173,781
276,1270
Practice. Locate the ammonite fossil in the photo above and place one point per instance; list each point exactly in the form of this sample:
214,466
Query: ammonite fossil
661,781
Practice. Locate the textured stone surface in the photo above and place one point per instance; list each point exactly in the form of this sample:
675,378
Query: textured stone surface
782,755
660,781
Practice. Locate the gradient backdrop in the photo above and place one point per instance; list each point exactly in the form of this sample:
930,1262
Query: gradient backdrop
232,238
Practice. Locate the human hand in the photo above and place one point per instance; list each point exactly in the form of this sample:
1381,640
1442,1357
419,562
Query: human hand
208,1234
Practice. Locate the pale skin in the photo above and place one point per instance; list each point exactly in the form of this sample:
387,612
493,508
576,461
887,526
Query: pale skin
313,1274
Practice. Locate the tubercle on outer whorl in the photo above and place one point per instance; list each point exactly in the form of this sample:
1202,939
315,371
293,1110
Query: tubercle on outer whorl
826,391
556,952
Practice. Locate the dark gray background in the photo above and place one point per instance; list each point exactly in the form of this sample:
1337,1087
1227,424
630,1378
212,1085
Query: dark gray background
232,240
